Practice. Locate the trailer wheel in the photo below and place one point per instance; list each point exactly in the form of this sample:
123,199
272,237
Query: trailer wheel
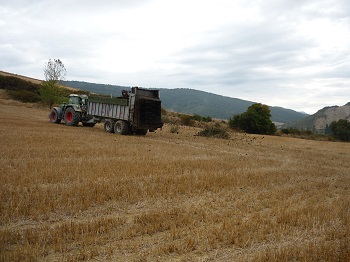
109,125
121,127
141,132
54,117
71,117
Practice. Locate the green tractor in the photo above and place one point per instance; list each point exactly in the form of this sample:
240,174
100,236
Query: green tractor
73,112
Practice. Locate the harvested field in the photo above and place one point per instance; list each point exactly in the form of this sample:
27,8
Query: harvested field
79,193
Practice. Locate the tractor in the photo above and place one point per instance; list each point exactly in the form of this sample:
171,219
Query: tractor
73,112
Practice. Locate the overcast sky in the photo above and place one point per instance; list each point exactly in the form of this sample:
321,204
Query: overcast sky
289,53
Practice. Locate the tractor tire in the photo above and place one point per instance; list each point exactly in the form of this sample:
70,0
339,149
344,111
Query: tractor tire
54,117
141,132
71,117
109,125
121,127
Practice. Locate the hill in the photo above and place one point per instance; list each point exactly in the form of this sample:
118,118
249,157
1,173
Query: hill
319,121
25,78
190,101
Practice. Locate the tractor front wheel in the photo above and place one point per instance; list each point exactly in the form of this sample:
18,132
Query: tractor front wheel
71,117
121,127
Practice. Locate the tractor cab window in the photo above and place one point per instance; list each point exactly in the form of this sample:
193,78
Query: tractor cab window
74,100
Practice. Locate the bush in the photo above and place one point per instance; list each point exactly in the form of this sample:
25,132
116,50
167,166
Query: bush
291,131
341,129
174,129
163,111
256,120
199,118
24,96
51,93
186,120
17,84
304,134
214,132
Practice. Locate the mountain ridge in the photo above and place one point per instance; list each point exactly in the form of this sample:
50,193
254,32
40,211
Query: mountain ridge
191,101
183,100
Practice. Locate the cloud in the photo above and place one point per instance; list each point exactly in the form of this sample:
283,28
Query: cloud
271,51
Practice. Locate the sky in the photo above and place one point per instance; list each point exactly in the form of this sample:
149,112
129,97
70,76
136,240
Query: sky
289,53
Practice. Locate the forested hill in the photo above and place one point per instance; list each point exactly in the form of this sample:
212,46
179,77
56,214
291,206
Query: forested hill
208,104
192,101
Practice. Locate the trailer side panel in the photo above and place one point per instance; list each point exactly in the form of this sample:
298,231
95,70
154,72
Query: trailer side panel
108,110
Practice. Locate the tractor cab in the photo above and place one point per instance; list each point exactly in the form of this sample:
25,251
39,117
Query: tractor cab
77,99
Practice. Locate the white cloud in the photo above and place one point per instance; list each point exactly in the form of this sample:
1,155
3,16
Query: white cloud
290,53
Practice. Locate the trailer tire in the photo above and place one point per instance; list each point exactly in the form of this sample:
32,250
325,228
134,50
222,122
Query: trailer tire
71,117
121,127
54,117
109,125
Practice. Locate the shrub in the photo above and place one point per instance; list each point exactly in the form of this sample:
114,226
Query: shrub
24,96
341,129
295,131
163,111
51,93
199,118
291,131
17,84
214,132
256,120
186,120
174,129
165,119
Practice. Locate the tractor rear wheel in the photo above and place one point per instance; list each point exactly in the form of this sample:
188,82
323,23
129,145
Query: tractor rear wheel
54,117
121,127
71,117
109,125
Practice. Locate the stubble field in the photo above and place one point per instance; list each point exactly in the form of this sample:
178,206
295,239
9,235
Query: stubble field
79,193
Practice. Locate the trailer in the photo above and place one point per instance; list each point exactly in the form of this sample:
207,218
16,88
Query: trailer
135,112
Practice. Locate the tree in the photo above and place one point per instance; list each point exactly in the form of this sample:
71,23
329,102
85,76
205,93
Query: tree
50,92
341,129
55,70
256,120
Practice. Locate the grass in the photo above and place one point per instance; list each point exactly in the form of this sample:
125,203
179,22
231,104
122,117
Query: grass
78,193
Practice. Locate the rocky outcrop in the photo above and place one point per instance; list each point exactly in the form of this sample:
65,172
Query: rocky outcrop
332,114
319,121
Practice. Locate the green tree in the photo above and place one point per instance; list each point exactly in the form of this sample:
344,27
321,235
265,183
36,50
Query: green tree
341,129
256,120
50,92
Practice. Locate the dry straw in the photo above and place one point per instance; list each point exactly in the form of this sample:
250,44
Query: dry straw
74,194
